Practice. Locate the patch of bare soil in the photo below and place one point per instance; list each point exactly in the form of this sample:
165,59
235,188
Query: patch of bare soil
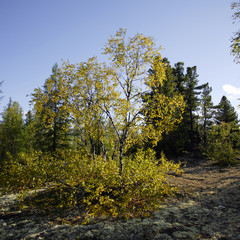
214,195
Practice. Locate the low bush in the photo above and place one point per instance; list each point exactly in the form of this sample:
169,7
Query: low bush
95,183
221,144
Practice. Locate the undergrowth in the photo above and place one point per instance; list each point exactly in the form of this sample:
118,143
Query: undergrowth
92,184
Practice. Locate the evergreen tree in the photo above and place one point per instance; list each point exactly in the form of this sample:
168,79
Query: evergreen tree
223,141
225,112
187,135
12,132
51,116
206,112
175,142
179,77
172,87
192,90
29,132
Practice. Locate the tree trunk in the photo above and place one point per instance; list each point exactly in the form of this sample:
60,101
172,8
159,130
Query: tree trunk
54,145
120,158
191,130
205,129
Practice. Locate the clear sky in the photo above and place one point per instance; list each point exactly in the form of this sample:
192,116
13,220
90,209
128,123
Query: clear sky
37,34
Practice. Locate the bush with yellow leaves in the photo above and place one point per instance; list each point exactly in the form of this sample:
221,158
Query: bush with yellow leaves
96,183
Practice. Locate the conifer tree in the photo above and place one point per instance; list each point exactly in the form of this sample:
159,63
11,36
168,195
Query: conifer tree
12,132
176,140
52,117
186,136
207,111
225,112
171,87
192,90
223,141
29,132
178,72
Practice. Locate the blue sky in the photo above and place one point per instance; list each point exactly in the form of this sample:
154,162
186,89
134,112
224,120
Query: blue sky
37,34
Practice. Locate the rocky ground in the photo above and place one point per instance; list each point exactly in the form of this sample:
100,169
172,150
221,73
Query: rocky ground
207,207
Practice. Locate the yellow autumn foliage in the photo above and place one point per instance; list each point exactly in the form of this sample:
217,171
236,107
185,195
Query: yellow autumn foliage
96,183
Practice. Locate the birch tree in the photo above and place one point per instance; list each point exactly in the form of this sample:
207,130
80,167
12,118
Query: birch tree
130,60
103,98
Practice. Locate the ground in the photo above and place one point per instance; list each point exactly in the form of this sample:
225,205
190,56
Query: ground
214,193
207,206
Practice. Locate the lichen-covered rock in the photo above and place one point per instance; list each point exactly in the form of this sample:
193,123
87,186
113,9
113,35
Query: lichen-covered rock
163,236
184,235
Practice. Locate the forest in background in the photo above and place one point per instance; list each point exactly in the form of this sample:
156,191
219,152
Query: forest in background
66,115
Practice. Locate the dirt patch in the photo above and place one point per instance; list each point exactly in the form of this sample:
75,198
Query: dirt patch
214,193
204,178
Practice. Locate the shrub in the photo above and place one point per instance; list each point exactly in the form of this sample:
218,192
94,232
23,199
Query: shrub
23,172
137,191
97,184
222,144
